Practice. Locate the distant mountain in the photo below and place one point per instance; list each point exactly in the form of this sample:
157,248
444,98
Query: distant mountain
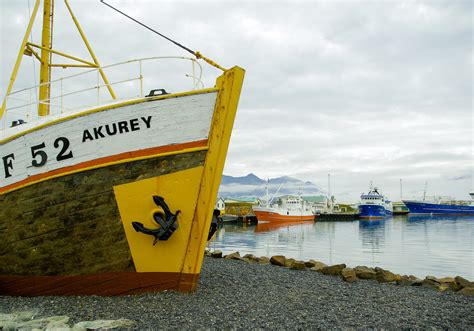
250,179
253,186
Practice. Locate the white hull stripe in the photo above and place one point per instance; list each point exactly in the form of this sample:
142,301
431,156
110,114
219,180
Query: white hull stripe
100,138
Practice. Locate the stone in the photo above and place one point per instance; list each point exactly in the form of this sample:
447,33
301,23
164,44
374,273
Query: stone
207,253
311,263
417,282
333,270
250,258
408,280
318,266
298,265
17,321
454,286
463,282
364,272
216,254
385,276
431,282
233,256
105,324
443,287
278,260
348,275
263,260
447,280
289,262
466,291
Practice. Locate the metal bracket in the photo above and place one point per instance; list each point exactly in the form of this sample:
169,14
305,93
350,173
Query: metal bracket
153,94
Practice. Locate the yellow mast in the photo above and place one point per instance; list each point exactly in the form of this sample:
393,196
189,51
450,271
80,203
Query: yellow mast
45,68
28,48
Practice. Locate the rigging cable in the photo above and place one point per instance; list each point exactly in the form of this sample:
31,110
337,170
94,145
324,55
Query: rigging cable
196,54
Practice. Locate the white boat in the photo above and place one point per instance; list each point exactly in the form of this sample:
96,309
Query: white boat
291,208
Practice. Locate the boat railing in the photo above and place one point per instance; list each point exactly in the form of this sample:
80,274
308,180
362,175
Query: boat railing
86,89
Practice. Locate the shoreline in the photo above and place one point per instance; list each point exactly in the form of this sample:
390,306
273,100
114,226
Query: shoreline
237,294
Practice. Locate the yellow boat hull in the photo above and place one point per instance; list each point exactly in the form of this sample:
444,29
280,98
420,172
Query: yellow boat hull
71,232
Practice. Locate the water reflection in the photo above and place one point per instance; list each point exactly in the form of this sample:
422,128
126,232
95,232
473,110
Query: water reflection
419,245
272,226
372,234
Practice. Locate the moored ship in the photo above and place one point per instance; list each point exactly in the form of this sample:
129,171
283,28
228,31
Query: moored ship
374,205
290,209
115,198
441,207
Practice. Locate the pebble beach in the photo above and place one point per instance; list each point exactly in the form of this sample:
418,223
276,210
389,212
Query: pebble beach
233,294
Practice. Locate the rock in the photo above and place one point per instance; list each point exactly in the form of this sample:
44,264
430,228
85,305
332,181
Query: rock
447,280
289,262
385,276
463,282
278,260
443,287
348,275
333,270
364,272
409,280
318,266
417,282
311,263
217,254
250,258
298,265
49,323
431,281
263,260
207,253
454,286
105,324
233,256
466,291
18,321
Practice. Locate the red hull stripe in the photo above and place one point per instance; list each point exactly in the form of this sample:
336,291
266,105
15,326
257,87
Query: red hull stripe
108,284
268,216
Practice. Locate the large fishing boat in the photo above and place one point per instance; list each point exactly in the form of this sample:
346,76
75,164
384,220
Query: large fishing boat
441,207
113,198
374,205
289,209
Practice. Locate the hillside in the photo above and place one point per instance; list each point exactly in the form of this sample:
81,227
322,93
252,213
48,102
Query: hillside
252,185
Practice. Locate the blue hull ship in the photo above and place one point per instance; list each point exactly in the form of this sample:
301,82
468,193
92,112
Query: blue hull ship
374,205
371,211
427,208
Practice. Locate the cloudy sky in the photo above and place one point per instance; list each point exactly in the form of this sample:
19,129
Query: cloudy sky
362,90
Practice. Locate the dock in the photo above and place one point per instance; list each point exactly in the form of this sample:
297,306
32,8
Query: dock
247,219
337,217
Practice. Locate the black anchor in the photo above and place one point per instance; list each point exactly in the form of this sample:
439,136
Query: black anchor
167,225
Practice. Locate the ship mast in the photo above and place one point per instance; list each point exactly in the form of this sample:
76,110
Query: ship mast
46,55
45,58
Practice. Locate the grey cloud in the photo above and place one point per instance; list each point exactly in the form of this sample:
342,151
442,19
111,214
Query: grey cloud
362,90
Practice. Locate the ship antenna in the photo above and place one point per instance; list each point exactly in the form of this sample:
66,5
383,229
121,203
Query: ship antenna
196,54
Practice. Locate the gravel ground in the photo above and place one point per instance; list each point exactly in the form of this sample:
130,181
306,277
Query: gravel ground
236,295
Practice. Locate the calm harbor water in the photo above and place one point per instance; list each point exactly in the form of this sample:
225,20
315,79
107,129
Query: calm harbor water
412,245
